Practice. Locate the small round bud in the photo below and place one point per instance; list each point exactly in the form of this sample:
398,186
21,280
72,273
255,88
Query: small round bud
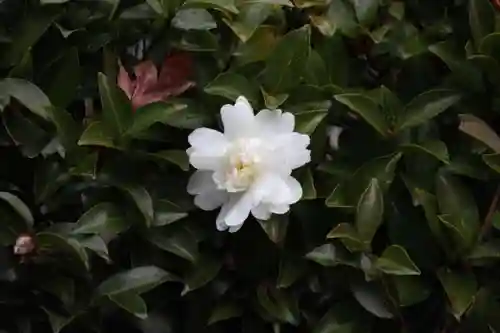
25,244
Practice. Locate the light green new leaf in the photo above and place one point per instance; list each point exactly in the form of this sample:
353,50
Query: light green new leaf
250,17
227,5
396,261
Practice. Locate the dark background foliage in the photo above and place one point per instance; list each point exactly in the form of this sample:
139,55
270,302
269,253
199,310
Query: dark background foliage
398,228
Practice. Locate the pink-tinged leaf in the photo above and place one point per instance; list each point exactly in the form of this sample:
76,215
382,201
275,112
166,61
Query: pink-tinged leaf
146,77
149,87
125,83
176,73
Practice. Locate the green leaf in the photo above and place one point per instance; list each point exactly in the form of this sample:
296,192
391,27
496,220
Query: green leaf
481,19
435,148
410,290
225,311
231,86
366,10
493,161
68,130
278,304
370,211
348,236
460,287
97,245
228,5
372,300
308,188
26,133
131,303
137,280
250,17
63,78
286,61
339,16
458,207
57,321
275,228
161,7
396,261
19,207
367,109
346,194
97,134
426,106
325,255
26,34
176,113
177,157
56,243
179,242
194,19
27,94
167,212
306,122
479,130
201,273
142,200
116,108
291,269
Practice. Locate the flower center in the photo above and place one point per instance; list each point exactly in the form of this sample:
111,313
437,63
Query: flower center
243,163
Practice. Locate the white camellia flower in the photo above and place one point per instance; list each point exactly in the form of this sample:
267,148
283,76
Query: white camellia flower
248,167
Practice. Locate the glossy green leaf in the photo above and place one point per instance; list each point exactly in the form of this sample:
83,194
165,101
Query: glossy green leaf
231,86
348,235
179,242
370,211
435,148
28,94
177,157
56,243
458,207
286,60
460,287
96,134
411,290
396,261
103,218
426,106
19,207
228,5
367,109
137,280
481,19
278,304
131,303
372,300
325,255
366,10
200,274
250,16
167,212
479,130
194,19
275,228
116,109
224,311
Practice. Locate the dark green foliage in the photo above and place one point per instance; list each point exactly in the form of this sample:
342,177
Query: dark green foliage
398,228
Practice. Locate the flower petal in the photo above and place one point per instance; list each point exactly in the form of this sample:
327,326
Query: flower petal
261,211
238,119
208,197
146,76
295,189
236,210
274,122
207,150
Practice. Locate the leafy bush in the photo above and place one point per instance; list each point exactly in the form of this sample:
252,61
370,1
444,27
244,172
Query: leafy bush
397,229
